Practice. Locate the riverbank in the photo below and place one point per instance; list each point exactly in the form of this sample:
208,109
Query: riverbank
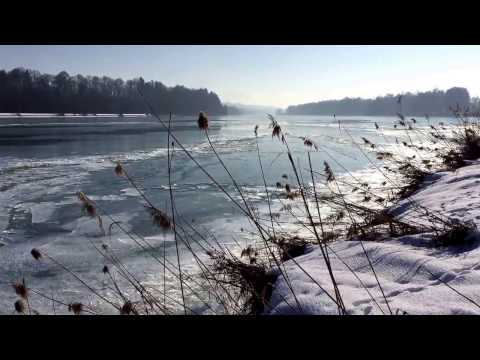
417,275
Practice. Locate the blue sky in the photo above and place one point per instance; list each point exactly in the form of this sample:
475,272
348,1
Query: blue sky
266,75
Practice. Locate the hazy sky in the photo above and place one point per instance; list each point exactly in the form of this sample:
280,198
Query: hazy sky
266,75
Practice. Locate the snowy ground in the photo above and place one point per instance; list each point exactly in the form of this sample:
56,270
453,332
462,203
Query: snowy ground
416,277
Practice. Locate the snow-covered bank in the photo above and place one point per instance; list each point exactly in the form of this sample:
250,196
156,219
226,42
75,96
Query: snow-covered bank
416,277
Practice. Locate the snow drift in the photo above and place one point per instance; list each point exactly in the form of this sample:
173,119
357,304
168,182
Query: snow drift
416,276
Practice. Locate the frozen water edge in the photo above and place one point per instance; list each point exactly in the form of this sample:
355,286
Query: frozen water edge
412,273
48,115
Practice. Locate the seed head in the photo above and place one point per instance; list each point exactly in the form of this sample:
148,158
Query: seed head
82,197
90,209
329,172
19,306
256,130
160,218
77,308
37,255
202,121
276,131
88,205
127,308
20,289
309,143
105,269
119,169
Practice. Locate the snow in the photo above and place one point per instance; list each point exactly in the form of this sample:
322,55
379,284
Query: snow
416,277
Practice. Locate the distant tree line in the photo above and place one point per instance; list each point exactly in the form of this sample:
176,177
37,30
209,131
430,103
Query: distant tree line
29,91
435,103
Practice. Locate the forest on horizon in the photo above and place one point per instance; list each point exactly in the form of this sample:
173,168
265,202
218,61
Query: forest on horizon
435,103
29,91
